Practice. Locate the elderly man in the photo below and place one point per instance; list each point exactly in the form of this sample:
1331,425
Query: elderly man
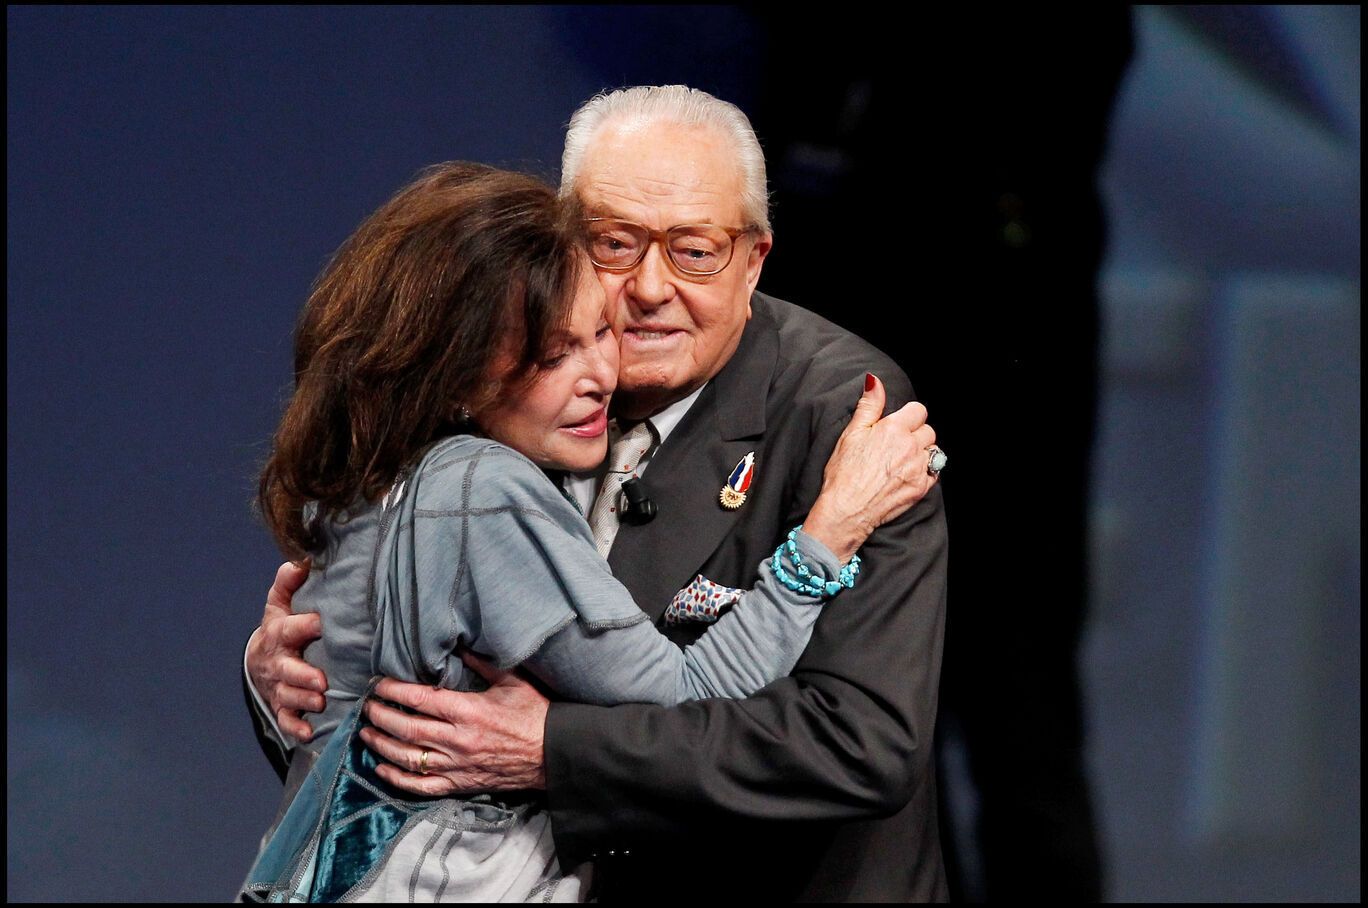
821,786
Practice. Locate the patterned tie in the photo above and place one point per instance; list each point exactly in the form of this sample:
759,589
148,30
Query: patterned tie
624,454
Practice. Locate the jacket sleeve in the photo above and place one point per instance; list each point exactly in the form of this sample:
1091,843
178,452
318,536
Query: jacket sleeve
846,736
268,736
753,643
542,596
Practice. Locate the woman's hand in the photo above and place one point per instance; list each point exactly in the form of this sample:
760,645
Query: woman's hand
877,471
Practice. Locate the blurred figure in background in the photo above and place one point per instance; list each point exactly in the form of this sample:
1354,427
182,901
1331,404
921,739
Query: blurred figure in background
986,194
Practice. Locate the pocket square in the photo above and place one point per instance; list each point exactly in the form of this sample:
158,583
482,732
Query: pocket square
702,600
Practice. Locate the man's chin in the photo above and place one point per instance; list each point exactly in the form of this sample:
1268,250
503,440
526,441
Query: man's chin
645,378
640,394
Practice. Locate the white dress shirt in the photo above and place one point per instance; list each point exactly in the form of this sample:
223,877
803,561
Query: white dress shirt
583,487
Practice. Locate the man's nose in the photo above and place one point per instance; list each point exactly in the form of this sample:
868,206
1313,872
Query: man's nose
652,282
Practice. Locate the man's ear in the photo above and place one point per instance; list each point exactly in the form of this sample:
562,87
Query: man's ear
755,259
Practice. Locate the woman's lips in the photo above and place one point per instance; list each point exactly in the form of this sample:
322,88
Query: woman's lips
592,427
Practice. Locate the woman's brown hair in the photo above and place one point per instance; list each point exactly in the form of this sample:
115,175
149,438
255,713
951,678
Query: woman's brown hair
400,334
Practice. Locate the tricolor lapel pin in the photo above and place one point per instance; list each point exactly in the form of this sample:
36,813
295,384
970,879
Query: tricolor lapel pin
734,492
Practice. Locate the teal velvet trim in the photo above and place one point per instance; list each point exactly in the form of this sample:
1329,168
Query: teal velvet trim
335,830
344,819
358,827
282,870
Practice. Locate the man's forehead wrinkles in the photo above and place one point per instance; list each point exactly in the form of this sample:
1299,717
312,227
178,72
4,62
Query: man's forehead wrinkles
674,188
666,189
604,198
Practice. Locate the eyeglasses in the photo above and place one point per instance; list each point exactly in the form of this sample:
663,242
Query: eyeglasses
697,250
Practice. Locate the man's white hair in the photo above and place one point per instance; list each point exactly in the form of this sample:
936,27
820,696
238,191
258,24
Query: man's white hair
672,104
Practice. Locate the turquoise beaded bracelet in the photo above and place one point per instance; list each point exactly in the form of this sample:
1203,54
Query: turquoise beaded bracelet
804,582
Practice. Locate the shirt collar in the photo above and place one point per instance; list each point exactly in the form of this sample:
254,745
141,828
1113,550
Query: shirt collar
665,421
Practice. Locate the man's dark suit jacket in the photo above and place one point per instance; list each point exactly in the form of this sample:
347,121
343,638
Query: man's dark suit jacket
821,786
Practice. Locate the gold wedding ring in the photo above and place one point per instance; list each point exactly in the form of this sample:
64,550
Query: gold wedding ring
422,762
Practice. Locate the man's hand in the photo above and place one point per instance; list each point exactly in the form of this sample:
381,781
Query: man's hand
275,662
489,741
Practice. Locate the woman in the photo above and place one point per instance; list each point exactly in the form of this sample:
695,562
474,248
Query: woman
453,354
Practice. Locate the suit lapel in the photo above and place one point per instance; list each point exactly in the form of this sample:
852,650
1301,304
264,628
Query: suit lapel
686,475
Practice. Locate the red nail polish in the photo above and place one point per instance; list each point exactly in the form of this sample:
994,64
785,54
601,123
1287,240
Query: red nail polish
869,381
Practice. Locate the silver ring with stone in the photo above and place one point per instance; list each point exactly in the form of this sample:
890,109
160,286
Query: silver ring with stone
936,460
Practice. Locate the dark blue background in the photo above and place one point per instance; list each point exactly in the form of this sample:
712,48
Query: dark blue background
177,177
